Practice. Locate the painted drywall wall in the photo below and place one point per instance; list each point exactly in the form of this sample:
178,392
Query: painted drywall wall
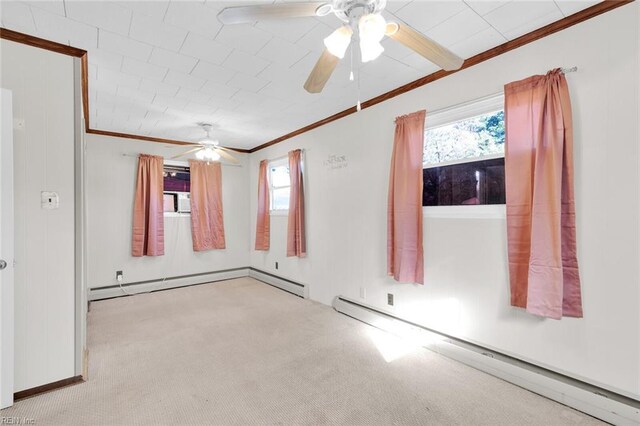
42,83
111,179
466,283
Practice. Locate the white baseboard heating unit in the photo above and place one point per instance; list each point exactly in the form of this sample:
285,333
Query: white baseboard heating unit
597,402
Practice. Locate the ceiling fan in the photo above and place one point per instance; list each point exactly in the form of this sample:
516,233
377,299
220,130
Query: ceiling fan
209,149
362,19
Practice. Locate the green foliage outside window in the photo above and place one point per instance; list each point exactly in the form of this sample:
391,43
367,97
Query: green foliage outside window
470,138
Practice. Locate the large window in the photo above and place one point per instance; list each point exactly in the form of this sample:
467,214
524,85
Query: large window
177,188
279,185
463,161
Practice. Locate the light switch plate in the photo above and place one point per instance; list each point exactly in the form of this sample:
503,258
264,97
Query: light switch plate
49,200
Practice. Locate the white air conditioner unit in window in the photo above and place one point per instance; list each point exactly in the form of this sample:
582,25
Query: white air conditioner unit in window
184,202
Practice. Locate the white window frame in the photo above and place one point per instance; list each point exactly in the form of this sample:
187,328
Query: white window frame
448,116
279,162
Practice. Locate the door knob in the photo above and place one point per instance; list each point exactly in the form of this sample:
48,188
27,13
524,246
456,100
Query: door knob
3,264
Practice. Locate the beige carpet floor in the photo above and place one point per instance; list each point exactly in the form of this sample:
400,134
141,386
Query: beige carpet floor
241,352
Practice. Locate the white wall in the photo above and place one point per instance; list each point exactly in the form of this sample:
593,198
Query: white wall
466,284
111,179
42,83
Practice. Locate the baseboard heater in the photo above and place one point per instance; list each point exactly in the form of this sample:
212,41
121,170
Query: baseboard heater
127,289
595,401
165,283
276,281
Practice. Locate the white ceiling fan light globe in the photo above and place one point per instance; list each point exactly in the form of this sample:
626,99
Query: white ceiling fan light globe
371,27
200,154
338,41
370,50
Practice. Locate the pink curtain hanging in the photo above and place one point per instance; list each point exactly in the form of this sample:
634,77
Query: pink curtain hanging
541,233
148,208
262,223
296,243
405,261
207,226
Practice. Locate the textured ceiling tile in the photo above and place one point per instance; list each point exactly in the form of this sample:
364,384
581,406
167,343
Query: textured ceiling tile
172,60
104,58
203,48
53,6
154,32
478,43
457,28
118,78
135,94
283,52
195,17
158,87
193,95
424,15
482,7
184,80
155,8
218,90
66,31
143,69
116,43
243,37
17,16
240,61
247,82
314,39
101,14
212,72
537,22
517,13
169,102
569,7
289,29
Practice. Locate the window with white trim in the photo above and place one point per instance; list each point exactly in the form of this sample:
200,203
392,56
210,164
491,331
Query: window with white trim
279,185
463,162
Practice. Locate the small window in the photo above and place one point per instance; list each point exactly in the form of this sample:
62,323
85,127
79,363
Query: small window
463,161
279,185
177,188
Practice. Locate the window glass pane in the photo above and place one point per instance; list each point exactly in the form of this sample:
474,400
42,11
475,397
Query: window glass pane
280,176
470,138
473,183
280,199
176,179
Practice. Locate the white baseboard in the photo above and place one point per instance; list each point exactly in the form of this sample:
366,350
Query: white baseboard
597,402
281,283
172,282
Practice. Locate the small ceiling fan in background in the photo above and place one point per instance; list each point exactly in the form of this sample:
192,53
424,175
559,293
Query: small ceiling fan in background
209,149
362,18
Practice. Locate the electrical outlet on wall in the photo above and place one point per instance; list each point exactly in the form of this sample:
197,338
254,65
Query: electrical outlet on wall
390,299
119,276
363,293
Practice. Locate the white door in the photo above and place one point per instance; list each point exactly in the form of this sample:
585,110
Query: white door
6,249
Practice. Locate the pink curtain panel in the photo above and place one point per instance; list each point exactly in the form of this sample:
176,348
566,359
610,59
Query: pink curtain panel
262,222
405,260
296,243
148,208
541,232
207,226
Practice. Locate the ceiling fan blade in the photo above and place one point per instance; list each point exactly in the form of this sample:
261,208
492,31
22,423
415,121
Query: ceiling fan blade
424,46
263,12
321,72
226,155
187,152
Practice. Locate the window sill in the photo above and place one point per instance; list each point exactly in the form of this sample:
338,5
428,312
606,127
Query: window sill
491,211
279,212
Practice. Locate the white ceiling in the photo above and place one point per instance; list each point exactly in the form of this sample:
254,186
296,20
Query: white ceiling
156,68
